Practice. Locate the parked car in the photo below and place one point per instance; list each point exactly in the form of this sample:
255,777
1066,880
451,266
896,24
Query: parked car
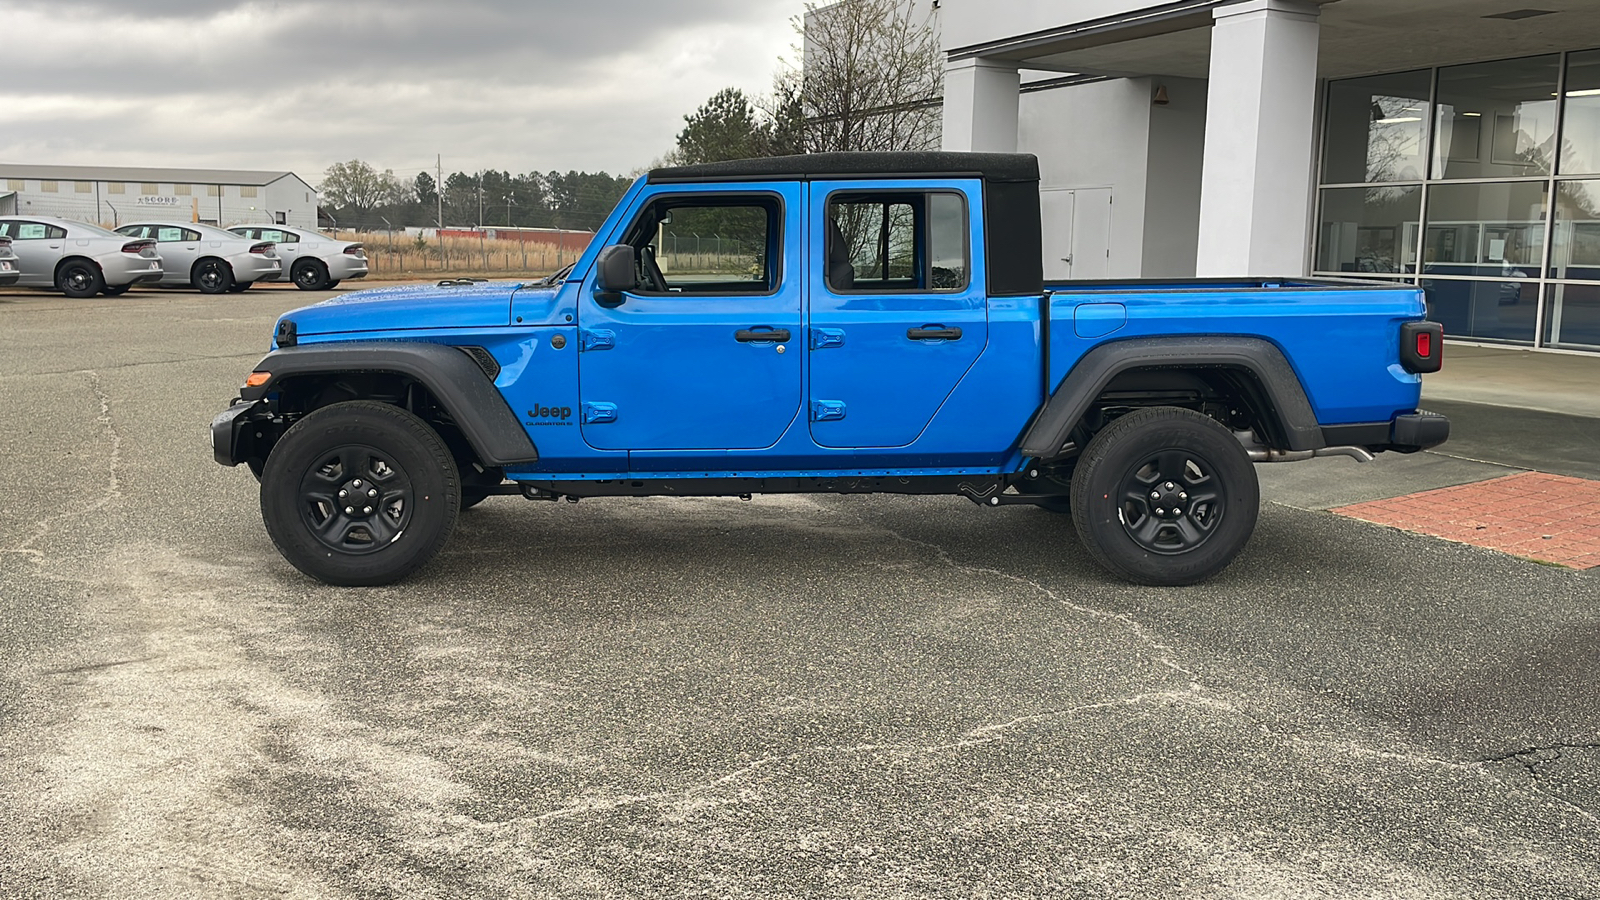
311,259
8,263
212,260
77,258
884,326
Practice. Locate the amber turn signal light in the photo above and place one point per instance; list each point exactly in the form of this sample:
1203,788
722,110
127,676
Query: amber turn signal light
257,379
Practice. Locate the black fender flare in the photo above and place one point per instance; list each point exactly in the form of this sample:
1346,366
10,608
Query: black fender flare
455,379
1290,411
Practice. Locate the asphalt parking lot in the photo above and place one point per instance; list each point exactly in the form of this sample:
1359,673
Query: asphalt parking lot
790,697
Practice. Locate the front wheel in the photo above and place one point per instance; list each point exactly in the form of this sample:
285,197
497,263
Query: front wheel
359,493
1165,496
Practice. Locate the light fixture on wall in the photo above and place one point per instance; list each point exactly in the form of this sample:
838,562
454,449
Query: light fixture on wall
1161,98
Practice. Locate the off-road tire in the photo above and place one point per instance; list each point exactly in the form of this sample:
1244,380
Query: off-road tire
379,455
1165,496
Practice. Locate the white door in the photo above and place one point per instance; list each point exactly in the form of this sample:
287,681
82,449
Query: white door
1077,233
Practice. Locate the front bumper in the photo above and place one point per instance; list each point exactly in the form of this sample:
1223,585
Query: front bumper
235,430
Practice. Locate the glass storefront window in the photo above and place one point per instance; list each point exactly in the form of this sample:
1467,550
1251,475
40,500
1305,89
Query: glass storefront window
1580,129
1369,230
1494,229
1572,317
1496,120
1482,309
1576,245
1376,128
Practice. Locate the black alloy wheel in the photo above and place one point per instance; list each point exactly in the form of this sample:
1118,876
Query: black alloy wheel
1165,496
212,276
80,278
359,493
311,275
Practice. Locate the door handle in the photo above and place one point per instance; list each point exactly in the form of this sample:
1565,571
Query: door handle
934,333
751,335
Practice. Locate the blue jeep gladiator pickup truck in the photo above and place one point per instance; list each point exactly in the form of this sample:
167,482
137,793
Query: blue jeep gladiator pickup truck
837,322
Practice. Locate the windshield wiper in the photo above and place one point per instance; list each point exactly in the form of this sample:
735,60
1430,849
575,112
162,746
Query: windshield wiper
558,275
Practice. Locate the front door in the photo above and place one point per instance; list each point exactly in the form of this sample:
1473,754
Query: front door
38,246
898,314
705,355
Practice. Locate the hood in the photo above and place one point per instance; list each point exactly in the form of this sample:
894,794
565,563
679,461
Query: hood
411,307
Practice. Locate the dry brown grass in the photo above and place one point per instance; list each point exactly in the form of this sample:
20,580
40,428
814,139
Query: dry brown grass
399,257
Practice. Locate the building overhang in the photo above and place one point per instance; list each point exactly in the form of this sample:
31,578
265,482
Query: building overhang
1358,37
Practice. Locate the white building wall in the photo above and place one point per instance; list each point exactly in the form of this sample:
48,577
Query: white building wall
1172,185
1095,136
111,203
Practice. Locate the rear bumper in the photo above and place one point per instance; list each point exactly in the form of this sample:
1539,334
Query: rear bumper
1405,433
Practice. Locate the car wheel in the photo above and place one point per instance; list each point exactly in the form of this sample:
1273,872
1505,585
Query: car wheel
1165,496
359,493
240,287
80,278
115,290
211,276
332,283
310,275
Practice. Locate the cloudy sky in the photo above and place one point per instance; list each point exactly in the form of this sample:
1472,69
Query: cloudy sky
518,85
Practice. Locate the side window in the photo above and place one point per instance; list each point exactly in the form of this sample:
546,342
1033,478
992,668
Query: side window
170,234
133,231
709,245
896,242
29,231
272,234
191,235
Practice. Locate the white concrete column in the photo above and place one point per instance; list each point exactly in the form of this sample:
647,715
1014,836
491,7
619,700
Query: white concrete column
1255,187
980,105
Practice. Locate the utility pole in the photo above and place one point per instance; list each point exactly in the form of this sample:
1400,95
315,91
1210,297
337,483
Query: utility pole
482,231
438,194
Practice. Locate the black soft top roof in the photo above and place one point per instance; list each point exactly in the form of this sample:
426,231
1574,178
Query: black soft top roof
992,167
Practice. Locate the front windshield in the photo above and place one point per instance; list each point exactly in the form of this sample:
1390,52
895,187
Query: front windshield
559,275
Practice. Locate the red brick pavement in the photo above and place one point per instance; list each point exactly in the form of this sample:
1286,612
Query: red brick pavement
1551,518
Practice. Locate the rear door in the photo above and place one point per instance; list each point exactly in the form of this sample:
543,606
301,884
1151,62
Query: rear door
898,314
705,355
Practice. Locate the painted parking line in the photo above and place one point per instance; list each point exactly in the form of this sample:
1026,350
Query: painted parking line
1551,518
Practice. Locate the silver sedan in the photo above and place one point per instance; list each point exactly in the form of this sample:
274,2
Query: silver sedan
76,258
8,263
212,260
311,259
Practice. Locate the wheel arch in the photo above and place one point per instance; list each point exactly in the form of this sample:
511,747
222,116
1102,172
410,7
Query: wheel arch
77,257
1250,371
413,375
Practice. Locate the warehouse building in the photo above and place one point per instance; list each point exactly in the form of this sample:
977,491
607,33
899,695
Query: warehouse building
1453,144
111,195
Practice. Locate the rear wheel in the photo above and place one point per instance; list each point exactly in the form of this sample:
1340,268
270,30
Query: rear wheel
212,276
359,493
311,275
80,278
1165,496
116,290
240,287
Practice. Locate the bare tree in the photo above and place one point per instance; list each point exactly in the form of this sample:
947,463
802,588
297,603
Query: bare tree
871,78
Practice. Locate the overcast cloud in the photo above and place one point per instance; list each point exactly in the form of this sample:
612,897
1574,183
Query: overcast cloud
518,85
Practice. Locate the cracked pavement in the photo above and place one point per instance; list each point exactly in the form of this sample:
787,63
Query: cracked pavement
790,697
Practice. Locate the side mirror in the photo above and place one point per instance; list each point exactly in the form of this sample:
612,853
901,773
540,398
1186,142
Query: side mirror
615,273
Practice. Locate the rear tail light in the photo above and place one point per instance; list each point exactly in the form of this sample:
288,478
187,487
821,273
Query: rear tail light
355,250
140,248
1422,346
263,248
